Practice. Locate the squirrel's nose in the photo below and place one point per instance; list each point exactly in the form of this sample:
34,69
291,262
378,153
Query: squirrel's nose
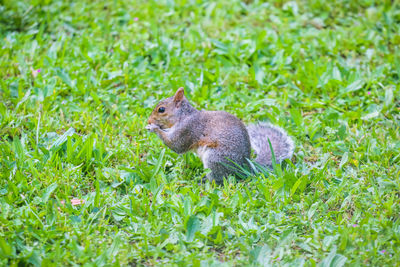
149,121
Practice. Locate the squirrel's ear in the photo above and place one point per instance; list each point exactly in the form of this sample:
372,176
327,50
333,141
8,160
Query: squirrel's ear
180,93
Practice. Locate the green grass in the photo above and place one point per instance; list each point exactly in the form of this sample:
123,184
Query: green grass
327,71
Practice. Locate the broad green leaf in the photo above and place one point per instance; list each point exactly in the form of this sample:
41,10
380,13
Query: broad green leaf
344,160
388,96
295,186
192,226
159,163
49,190
64,76
6,249
370,115
356,85
60,140
296,116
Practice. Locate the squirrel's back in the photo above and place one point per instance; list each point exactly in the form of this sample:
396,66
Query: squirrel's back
230,132
222,143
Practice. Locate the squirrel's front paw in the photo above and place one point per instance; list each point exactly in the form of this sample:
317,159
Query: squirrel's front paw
152,127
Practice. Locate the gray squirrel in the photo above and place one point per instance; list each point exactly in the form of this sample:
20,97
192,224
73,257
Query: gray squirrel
217,137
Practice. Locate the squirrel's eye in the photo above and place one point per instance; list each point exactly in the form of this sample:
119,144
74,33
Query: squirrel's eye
161,110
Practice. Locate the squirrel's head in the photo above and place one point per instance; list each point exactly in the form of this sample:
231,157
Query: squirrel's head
168,111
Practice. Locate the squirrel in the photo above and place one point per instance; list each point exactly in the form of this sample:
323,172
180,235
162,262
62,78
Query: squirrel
217,137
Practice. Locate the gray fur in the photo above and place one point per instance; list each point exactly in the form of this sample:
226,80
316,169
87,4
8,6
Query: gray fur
219,138
282,144
233,144
183,134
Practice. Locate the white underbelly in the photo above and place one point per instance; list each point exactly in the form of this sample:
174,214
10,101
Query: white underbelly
203,153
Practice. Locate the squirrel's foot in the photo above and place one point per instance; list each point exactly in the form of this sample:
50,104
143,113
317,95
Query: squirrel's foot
203,180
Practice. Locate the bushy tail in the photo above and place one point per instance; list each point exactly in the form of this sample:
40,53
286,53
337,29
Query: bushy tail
282,144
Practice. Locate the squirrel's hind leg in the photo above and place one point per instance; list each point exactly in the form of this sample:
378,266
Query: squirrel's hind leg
218,163
211,160
217,173
219,167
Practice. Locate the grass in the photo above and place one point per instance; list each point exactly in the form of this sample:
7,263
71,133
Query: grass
78,80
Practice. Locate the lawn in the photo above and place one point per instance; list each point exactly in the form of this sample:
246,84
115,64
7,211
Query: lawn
83,183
